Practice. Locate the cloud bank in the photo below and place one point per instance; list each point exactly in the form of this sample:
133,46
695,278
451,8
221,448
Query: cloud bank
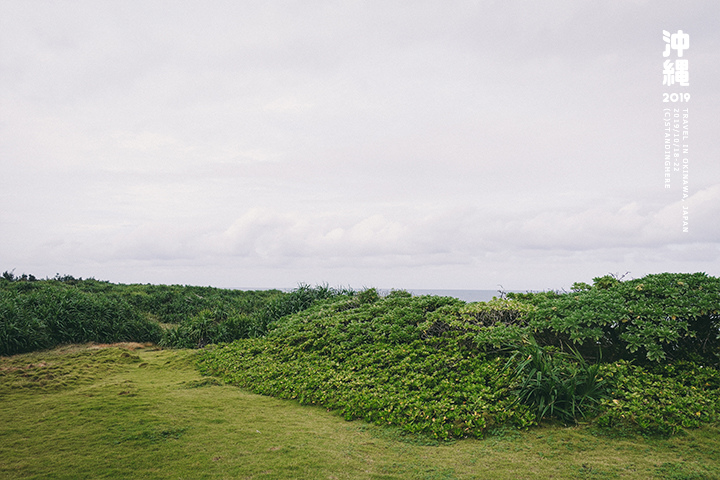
409,146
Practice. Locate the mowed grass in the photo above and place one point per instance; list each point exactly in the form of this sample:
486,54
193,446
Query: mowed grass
140,412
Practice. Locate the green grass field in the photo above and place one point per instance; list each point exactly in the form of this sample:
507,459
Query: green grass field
141,412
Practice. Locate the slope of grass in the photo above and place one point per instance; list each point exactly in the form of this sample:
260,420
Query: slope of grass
132,412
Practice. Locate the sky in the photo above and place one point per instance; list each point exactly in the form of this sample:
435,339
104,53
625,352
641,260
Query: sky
388,144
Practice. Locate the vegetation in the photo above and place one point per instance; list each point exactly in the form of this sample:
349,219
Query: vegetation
225,323
624,356
557,384
664,317
38,314
440,367
130,412
49,314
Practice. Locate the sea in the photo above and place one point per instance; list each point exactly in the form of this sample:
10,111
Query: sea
464,295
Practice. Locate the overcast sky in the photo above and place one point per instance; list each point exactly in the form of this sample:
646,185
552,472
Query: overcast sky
408,144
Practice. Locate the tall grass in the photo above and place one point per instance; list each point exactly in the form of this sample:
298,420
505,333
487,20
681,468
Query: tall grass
52,315
38,314
556,383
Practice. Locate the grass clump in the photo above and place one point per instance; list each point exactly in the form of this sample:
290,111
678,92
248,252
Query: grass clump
557,384
60,369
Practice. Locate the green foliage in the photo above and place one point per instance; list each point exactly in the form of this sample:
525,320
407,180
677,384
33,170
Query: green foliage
605,282
532,297
661,399
54,314
655,318
557,384
38,314
371,360
209,326
437,366
226,322
496,312
176,303
10,277
301,298
580,287
491,327
425,365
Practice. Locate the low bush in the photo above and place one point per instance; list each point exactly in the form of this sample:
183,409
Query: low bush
662,399
366,357
37,314
177,303
301,298
226,322
438,366
493,327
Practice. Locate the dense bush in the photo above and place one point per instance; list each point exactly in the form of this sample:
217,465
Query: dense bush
301,298
441,367
366,357
36,314
209,326
227,322
496,326
49,315
177,303
655,318
659,399
163,303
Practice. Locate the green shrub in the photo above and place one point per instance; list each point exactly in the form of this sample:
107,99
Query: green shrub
655,318
227,322
301,298
368,358
177,303
207,327
496,326
661,399
440,367
20,330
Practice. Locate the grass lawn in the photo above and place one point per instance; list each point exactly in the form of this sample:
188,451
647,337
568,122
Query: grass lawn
141,412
